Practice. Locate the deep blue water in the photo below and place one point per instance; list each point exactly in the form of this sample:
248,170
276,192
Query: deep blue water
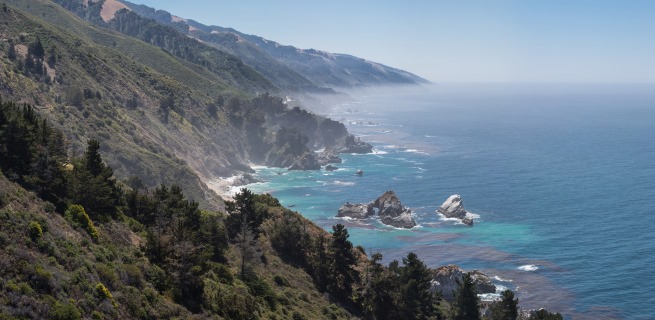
562,177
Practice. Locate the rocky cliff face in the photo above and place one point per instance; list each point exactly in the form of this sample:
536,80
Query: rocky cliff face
447,278
307,161
388,207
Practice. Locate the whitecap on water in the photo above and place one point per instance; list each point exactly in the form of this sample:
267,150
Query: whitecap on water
416,151
497,278
528,267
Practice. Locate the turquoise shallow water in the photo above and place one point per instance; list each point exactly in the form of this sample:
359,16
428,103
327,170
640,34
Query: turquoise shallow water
562,178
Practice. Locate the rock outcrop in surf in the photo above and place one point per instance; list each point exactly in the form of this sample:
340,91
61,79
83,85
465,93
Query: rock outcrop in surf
446,280
356,210
388,207
454,208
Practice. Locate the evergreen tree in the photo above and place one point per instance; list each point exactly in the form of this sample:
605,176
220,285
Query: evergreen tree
418,301
11,52
319,261
36,49
466,300
543,314
93,185
506,308
381,292
341,273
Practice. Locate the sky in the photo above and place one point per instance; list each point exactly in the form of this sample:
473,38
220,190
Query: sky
563,41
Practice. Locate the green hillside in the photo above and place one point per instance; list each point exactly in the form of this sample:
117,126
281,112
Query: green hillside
159,118
106,142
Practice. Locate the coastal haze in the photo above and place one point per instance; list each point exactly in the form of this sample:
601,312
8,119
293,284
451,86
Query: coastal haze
559,176
550,148
512,139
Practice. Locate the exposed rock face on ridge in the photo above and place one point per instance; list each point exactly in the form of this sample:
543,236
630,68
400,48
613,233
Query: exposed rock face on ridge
446,280
388,207
454,208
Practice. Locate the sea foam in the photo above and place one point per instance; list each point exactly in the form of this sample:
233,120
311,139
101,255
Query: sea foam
528,267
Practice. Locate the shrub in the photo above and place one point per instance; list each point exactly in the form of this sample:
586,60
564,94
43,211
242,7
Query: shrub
103,294
35,231
76,214
41,279
281,281
131,275
64,311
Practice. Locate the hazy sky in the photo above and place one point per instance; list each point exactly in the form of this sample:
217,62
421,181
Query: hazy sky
457,41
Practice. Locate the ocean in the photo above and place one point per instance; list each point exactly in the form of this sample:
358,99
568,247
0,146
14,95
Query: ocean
561,178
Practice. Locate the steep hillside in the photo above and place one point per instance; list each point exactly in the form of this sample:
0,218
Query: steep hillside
160,118
152,125
321,68
88,252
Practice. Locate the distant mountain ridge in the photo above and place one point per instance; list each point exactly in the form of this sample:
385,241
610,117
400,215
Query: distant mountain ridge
284,63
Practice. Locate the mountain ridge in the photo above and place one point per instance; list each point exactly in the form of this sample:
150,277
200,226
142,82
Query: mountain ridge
322,68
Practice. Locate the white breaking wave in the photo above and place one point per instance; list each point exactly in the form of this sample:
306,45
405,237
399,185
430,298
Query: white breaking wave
343,183
528,267
497,278
416,151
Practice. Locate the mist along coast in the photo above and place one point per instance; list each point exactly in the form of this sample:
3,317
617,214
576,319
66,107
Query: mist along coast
554,176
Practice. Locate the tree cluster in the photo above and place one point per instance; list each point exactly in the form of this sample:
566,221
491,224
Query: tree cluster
188,249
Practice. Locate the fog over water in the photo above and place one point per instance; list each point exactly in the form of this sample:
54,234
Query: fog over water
561,177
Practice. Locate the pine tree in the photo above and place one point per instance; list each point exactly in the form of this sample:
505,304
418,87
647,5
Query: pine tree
506,308
341,273
93,185
36,49
466,300
543,314
11,52
418,301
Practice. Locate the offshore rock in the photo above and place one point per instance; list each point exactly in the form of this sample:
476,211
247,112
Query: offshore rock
453,207
307,161
392,212
468,221
330,167
356,210
446,278
387,207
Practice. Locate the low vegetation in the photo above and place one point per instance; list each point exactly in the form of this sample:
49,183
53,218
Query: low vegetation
154,254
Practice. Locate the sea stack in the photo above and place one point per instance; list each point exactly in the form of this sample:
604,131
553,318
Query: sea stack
392,212
388,207
454,208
